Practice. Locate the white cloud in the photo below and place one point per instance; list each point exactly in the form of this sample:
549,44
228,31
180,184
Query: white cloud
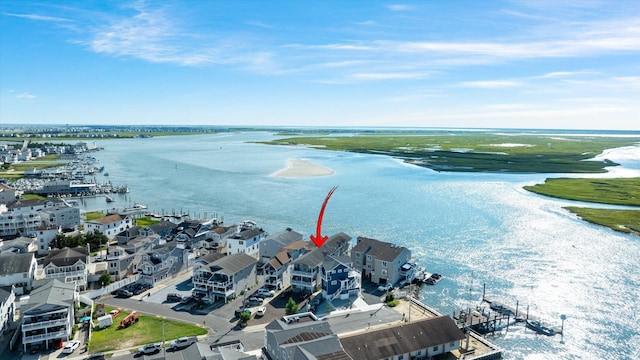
388,76
399,7
38,17
25,95
490,84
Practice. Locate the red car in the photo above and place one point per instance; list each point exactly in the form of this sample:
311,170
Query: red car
114,312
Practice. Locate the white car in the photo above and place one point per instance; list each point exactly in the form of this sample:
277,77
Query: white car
71,346
261,310
385,287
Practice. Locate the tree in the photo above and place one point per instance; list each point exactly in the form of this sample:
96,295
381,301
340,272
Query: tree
292,307
245,316
104,280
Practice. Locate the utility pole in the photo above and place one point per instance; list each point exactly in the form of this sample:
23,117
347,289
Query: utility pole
410,300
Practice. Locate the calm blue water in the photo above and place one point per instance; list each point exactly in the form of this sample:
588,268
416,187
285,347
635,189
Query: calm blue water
472,228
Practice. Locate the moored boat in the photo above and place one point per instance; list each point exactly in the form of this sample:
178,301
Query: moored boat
539,328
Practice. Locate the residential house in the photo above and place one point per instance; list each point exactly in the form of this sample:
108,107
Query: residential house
18,270
52,212
273,244
246,240
216,239
48,317
69,265
161,262
304,340
128,234
7,194
12,223
421,339
339,279
120,262
7,307
190,231
161,229
277,272
378,261
225,278
45,235
306,274
19,245
109,225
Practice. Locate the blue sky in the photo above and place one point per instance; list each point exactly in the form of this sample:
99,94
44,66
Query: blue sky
479,64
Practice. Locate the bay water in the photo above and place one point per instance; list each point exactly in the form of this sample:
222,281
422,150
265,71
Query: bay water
473,228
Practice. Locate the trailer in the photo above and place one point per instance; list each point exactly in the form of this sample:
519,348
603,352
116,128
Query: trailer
105,321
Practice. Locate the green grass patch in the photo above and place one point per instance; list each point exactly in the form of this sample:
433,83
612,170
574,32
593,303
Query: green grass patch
33,197
477,151
618,191
93,215
146,221
626,221
148,329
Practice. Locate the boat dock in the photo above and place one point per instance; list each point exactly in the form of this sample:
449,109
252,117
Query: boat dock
499,316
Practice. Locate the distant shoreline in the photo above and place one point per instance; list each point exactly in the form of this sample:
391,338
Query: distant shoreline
297,168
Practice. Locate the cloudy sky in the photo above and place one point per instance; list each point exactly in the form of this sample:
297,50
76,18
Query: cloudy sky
479,64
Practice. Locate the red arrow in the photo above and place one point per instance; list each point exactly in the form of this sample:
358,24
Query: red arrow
319,239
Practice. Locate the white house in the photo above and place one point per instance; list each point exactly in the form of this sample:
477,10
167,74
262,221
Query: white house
246,240
7,307
18,270
110,225
45,235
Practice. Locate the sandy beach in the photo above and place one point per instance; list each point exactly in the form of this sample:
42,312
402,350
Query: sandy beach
302,168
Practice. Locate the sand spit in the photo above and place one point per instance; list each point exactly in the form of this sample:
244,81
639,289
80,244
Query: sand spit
302,168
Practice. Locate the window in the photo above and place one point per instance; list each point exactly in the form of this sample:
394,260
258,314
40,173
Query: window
334,282
384,264
435,348
357,254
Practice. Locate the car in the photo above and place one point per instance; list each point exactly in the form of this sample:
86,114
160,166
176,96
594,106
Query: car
261,310
114,312
316,301
149,349
95,357
385,287
255,300
181,343
34,349
174,297
266,293
124,293
70,346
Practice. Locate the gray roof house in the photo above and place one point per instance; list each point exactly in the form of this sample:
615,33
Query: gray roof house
18,270
48,317
379,261
303,341
421,339
272,244
305,275
68,264
225,278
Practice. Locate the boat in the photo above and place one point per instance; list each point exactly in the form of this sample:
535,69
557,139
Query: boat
136,207
432,279
539,328
106,174
108,198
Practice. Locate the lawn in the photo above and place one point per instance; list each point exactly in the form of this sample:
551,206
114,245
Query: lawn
93,215
146,221
147,330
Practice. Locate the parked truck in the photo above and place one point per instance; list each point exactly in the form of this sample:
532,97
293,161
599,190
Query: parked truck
105,321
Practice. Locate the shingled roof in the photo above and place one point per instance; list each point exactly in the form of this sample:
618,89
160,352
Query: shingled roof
233,263
15,263
378,249
54,292
109,219
389,342
66,256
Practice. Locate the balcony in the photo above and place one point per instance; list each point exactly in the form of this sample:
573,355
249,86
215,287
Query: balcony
303,273
42,337
44,324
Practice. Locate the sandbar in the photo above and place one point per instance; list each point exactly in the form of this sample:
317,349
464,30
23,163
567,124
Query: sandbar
302,168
